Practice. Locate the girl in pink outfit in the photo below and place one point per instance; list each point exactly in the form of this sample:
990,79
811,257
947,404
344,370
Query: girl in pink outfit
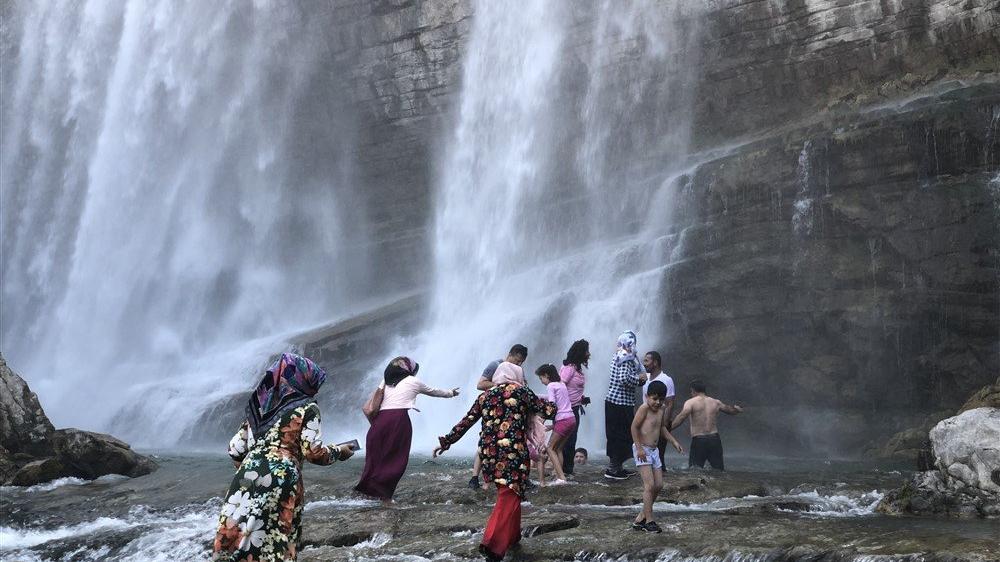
565,422
572,374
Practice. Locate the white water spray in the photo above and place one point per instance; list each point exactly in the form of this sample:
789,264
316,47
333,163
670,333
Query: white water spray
175,184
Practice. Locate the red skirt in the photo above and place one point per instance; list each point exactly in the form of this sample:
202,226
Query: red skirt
388,453
503,529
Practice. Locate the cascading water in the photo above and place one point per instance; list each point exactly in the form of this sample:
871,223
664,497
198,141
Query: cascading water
551,224
175,184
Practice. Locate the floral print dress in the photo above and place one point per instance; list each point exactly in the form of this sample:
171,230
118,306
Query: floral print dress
261,519
505,411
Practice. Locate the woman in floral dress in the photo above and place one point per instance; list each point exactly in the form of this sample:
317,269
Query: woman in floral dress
261,519
505,411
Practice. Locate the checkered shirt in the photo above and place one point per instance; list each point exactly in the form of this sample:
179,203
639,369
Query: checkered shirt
624,379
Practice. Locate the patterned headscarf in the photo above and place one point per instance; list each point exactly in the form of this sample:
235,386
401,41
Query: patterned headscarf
289,383
507,373
394,373
626,350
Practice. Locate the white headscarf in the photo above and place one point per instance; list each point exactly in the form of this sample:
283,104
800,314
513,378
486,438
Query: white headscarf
507,373
626,350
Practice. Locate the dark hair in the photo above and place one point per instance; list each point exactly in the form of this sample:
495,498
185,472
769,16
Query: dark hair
548,371
518,349
577,354
698,386
581,450
656,388
656,357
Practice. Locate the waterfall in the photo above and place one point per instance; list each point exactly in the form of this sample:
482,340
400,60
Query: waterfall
180,194
554,204
176,184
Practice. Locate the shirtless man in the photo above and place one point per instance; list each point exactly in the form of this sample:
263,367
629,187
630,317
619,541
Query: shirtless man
648,427
705,441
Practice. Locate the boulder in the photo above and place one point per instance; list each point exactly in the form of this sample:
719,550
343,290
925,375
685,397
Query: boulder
24,427
32,451
965,480
37,472
967,449
86,454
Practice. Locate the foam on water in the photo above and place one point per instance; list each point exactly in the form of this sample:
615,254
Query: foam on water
333,502
178,534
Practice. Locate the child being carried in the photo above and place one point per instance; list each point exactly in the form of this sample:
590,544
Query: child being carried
647,426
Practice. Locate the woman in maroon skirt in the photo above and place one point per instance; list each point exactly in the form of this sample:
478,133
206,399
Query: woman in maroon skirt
388,441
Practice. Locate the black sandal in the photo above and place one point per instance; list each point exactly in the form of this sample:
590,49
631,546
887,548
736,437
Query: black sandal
639,525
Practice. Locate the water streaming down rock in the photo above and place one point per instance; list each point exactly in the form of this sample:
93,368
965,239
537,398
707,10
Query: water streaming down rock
898,102
551,224
176,182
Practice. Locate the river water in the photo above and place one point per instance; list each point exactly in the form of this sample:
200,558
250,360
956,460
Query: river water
170,515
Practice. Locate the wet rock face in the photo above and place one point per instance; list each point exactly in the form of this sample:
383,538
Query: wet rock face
33,451
836,263
24,427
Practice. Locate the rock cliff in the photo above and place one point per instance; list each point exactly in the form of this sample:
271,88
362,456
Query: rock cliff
32,451
838,225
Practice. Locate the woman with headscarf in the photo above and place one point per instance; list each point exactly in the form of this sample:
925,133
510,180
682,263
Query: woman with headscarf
390,435
619,405
505,410
261,518
572,375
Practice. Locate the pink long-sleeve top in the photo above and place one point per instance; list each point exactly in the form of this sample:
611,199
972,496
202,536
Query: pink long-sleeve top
403,396
558,394
574,380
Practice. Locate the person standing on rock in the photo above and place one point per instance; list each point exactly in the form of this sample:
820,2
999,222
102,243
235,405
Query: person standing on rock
706,445
571,373
390,436
505,410
619,405
652,363
517,355
261,518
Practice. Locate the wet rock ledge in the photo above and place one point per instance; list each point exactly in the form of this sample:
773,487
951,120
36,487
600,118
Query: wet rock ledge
33,451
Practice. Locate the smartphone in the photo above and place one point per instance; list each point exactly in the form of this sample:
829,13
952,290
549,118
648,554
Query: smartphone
352,445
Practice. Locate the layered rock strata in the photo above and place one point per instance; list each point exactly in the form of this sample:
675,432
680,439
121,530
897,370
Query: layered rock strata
838,234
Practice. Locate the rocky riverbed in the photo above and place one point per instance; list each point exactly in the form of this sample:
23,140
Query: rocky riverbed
773,509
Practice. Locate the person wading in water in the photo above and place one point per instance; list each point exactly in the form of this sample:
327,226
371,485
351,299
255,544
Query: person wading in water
261,519
505,410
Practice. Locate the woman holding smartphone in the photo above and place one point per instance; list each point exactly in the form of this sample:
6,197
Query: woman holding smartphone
261,519
391,433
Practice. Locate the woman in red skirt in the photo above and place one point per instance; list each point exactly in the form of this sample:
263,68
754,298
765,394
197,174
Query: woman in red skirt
388,441
505,410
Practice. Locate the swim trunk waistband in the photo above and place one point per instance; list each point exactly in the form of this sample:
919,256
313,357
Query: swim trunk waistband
712,436
652,456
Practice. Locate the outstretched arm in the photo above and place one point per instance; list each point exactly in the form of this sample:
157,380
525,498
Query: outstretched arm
685,412
456,433
311,441
438,392
731,410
